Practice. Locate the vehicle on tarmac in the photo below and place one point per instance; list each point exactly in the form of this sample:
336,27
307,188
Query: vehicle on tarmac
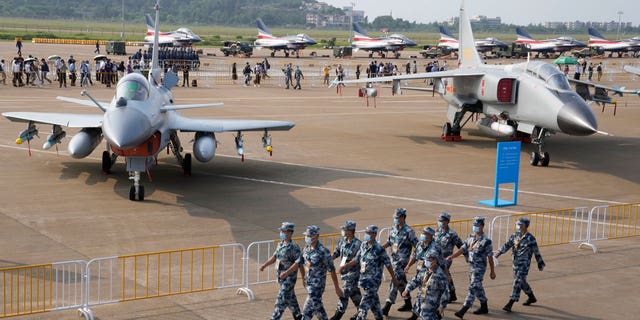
531,100
236,48
430,52
139,123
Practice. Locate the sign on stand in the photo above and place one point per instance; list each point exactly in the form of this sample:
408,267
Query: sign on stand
507,171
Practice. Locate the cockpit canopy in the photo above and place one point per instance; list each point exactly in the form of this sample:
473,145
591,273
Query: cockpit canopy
550,74
133,87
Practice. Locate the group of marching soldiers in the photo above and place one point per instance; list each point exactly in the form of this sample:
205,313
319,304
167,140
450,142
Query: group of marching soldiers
362,262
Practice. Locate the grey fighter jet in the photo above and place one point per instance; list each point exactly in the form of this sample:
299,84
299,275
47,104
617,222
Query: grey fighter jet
531,98
139,122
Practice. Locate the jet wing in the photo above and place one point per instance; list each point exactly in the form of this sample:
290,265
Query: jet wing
419,76
71,120
631,69
89,103
179,122
581,86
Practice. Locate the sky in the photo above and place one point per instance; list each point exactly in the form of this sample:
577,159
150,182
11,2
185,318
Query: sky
510,11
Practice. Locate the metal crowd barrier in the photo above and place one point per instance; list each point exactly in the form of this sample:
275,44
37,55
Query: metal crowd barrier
613,222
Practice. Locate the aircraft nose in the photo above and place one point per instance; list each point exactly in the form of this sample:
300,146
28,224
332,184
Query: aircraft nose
126,127
410,43
576,118
310,41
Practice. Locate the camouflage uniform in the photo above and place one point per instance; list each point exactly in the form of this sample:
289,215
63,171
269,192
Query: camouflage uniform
478,249
317,262
287,253
447,239
402,241
419,255
347,252
432,294
523,247
371,261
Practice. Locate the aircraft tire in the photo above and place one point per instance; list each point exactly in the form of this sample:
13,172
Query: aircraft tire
446,129
186,164
106,162
534,159
273,54
132,193
545,160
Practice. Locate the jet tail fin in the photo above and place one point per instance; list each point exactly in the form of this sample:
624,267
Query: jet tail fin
445,33
262,29
155,73
595,35
468,55
523,35
358,31
150,23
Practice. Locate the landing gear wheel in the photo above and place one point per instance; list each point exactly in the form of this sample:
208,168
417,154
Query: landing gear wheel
186,164
545,159
286,54
141,193
534,159
446,129
273,54
106,162
132,193
371,55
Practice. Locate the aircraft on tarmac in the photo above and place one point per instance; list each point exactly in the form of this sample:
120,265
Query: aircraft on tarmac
183,37
287,44
596,40
533,98
546,47
393,43
632,70
139,122
483,45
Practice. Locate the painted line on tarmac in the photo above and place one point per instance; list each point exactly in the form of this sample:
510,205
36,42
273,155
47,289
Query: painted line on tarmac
365,173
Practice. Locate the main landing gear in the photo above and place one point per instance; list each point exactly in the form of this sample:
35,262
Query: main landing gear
136,190
176,149
451,131
540,157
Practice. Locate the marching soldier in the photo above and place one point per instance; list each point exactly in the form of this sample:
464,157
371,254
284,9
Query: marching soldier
285,257
480,250
347,249
402,239
316,261
371,258
432,297
447,239
523,245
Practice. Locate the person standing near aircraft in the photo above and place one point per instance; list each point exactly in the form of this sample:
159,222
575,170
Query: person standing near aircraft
285,257
523,245
479,249
234,72
590,71
19,46
62,74
371,259
599,70
432,297
97,50
299,76
246,72
447,239
3,72
578,72
316,260
347,249
325,74
185,75
402,240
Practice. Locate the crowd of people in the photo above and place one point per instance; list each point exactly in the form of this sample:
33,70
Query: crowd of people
362,262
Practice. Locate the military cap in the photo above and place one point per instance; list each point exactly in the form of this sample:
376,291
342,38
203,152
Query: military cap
349,225
428,230
478,220
312,231
400,212
444,216
371,229
430,255
524,220
287,226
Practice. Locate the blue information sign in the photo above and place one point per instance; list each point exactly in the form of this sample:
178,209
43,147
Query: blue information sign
507,171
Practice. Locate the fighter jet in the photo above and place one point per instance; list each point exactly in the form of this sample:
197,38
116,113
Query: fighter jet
483,45
182,37
393,43
596,40
141,121
546,47
532,98
287,44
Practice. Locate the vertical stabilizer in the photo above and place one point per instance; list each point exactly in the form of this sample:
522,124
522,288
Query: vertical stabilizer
154,74
150,24
263,31
595,35
467,53
523,35
358,32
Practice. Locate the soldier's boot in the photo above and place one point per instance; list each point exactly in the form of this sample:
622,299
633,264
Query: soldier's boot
460,313
337,316
531,300
452,295
413,317
407,305
298,317
508,306
386,308
484,309
354,317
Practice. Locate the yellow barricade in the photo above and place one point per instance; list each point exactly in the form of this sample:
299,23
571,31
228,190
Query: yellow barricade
615,221
27,289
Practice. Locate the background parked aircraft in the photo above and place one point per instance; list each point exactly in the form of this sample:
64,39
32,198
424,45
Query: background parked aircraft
182,37
549,46
287,44
620,47
393,43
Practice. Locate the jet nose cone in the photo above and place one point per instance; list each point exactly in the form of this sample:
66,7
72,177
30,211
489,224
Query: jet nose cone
576,118
311,42
126,127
